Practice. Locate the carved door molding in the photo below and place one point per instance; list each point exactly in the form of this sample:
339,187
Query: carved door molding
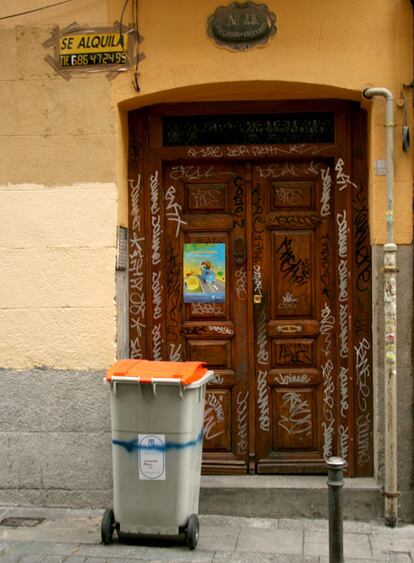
289,337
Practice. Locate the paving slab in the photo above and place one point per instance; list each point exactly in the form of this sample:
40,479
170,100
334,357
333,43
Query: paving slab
303,524
356,546
24,548
361,527
391,543
85,529
115,549
178,554
243,557
237,521
351,560
3,546
275,541
50,513
400,557
215,538
263,558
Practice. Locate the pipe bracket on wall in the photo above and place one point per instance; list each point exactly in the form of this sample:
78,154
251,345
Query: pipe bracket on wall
405,128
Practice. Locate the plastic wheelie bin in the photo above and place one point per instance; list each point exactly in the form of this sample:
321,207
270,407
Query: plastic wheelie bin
157,414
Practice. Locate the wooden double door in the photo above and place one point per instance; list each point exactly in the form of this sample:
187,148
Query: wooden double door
260,268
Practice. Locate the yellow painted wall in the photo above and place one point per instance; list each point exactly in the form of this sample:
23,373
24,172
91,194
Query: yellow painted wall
58,198
63,143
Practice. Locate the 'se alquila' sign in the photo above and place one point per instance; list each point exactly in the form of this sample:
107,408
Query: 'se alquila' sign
88,49
77,48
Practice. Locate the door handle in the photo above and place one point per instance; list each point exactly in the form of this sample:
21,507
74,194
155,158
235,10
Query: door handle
289,329
239,251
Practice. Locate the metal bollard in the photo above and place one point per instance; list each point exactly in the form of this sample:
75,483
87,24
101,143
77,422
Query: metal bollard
335,484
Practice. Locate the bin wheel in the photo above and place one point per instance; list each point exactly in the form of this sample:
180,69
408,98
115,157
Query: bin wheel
192,532
108,526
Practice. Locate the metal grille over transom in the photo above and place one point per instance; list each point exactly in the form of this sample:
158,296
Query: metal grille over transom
248,129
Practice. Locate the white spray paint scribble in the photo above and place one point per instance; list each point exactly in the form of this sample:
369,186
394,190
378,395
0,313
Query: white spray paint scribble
326,326
328,430
326,192
343,283
257,280
262,353
175,352
242,421
262,359
204,197
221,329
241,283
363,432
156,342
288,301
287,196
343,381
299,418
328,390
277,170
263,401
195,172
135,203
291,378
217,379
137,304
173,209
205,309
363,373
343,180
343,433
155,219
214,414
157,295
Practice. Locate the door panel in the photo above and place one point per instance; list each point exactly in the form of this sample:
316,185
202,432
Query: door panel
295,415
207,328
289,321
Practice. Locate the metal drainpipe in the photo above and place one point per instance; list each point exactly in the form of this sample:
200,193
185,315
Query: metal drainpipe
390,320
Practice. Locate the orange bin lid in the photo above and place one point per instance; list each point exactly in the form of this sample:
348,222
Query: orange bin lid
147,370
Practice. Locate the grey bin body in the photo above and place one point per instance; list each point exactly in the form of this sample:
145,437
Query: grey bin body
144,502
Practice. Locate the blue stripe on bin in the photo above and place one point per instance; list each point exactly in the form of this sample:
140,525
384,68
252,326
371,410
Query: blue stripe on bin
133,445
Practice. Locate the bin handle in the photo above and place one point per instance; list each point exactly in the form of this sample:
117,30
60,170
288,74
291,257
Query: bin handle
163,380
158,380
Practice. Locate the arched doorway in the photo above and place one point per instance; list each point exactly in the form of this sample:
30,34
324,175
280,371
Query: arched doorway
249,249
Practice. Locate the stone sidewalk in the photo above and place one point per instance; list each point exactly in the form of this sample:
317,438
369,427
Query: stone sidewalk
73,536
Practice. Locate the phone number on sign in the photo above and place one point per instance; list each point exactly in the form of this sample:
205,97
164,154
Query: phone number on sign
89,59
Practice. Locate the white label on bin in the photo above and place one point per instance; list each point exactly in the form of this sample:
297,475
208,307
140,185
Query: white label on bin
151,457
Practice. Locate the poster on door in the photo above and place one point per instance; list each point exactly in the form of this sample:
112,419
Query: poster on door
204,269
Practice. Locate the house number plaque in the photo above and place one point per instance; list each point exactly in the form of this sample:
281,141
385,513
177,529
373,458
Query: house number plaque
241,25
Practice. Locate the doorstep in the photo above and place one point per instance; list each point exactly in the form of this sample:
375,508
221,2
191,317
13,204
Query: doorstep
281,496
